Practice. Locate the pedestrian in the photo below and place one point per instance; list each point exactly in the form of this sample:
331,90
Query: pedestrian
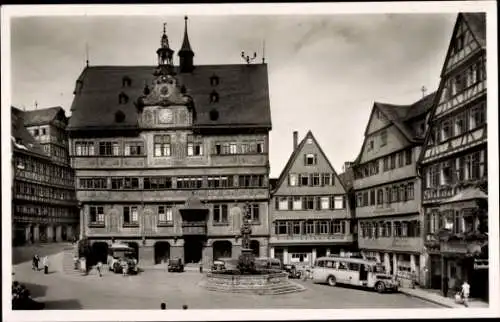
163,306
33,263
201,267
465,293
99,268
46,264
37,262
445,287
125,268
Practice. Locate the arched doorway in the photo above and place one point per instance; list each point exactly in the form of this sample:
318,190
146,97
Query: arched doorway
162,252
135,246
255,247
222,249
99,253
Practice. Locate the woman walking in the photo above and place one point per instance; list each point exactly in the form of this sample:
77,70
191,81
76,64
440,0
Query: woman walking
46,265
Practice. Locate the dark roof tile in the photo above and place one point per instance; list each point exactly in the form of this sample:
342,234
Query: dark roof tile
243,95
41,116
22,140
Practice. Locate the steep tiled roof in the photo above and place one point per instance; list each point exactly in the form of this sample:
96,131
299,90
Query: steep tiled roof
22,140
347,178
294,155
477,24
401,114
242,89
41,116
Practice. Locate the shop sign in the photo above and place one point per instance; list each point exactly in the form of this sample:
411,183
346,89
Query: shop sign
480,264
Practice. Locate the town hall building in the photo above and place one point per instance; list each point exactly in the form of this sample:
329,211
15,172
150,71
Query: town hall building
167,158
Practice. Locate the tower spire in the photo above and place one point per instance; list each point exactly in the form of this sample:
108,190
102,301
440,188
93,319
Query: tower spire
165,55
186,53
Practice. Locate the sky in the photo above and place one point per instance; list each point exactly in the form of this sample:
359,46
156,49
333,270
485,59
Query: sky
325,71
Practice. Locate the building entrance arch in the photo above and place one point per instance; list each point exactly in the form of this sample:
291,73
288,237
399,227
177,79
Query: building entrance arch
222,249
161,252
99,253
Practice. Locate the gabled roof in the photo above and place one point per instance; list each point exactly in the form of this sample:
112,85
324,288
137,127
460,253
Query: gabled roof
476,21
41,116
22,140
294,156
401,116
477,25
243,95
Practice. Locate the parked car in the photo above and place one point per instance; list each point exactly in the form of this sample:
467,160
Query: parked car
268,263
218,265
292,271
175,265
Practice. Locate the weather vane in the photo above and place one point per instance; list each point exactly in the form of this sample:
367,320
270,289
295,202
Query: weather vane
247,58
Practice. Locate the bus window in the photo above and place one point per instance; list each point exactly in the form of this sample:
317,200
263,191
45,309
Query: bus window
342,266
320,263
353,267
329,264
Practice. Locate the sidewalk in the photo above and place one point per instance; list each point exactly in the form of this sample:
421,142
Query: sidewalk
437,298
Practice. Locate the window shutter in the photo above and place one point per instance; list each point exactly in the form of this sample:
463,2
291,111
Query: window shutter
333,179
289,180
300,180
331,202
343,202
305,159
310,179
318,203
315,158
290,203
277,203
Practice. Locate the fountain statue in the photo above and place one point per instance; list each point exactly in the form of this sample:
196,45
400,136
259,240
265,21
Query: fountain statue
246,261
248,278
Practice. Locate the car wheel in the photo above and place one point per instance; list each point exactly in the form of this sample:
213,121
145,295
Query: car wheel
331,280
380,287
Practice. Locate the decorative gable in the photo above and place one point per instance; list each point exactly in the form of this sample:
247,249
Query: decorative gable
308,171
463,45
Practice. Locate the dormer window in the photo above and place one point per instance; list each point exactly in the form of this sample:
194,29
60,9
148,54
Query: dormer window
310,159
122,98
119,116
126,81
214,80
214,97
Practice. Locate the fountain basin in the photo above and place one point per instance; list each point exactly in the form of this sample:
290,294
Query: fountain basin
268,282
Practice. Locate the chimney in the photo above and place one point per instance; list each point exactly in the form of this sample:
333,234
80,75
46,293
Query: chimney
295,140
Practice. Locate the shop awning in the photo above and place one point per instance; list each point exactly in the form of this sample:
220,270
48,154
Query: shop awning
468,194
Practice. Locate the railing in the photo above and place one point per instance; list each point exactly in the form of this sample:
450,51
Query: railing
194,228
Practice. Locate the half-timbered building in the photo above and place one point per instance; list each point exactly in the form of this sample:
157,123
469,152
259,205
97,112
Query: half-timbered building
166,157
454,164
309,212
44,206
387,188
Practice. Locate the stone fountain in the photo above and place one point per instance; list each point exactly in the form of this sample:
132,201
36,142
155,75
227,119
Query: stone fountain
248,278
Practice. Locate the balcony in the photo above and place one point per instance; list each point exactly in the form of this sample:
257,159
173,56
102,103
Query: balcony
305,239
194,227
410,244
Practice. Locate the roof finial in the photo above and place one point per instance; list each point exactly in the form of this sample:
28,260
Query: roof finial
87,54
36,105
248,59
164,28
423,89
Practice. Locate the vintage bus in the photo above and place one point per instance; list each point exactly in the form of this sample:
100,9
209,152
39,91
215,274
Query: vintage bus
353,271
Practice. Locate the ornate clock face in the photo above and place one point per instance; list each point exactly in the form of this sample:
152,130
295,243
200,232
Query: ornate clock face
165,115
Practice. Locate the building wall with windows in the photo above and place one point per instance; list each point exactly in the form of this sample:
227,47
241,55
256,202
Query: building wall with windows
454,164
387,189
309,212
176,160
44,206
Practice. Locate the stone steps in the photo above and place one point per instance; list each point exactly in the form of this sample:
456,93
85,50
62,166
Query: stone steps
264,290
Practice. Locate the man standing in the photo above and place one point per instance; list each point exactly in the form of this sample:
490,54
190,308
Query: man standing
46,264
465,293
99,267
